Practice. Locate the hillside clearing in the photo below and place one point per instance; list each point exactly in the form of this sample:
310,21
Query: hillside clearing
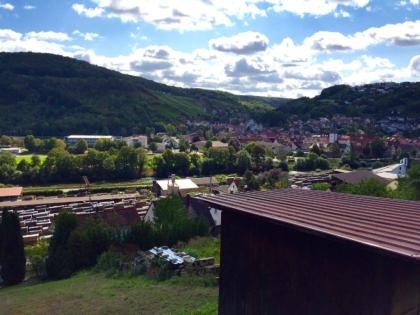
28,158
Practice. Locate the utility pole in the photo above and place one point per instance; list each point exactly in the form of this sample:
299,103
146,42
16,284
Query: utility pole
87,187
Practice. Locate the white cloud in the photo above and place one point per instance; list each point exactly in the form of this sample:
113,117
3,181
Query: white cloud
29,7
244,67
48,36
415,66
400,34
341,13
316,7
88,36
89,12
243,44
7,6
189,15
9,35
174,15
410,2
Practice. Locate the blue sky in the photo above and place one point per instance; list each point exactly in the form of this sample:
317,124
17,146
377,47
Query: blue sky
265,47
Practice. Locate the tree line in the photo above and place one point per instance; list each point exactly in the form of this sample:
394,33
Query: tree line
101,163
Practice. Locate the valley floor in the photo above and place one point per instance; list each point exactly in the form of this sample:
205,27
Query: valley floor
94,293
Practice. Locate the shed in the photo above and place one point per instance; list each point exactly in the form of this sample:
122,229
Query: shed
300,252
10,193
165,187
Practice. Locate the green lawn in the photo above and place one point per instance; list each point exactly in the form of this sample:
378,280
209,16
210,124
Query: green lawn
94,293
28,158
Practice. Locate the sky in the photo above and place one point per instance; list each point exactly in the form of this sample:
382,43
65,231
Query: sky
282,48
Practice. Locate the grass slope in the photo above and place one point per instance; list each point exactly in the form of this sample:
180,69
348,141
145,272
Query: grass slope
90,293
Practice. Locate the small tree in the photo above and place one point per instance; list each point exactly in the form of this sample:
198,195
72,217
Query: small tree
378,148
80,147
12,254
60,263
316,149
208,144
250,181
243,162
87,242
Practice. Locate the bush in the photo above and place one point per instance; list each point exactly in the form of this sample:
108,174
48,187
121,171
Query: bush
369,187
60,261
109,262
37,256
161,269
143,235
311,163
87,242
171,225
321,186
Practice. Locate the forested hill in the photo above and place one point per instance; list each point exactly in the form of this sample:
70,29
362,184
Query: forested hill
371,100
46,94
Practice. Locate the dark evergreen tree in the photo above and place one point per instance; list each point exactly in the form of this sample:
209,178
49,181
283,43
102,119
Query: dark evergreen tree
60,263
12,254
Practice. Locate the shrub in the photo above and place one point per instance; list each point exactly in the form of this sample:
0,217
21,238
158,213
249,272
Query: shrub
171,225
109,262
369,187
87,242
143,235
37,256
60,261
321,186
161,269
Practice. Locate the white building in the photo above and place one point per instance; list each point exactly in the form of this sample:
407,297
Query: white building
90,139
133,140
393,171
15,151
171,185
333,137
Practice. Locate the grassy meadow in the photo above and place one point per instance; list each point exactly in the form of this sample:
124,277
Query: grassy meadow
95,293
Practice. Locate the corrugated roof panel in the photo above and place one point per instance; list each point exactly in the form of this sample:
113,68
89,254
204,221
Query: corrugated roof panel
388,224
11,192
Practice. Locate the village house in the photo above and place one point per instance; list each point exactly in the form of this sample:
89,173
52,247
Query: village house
300,252
136,140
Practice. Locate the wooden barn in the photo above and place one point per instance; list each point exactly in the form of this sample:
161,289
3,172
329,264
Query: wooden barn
297,252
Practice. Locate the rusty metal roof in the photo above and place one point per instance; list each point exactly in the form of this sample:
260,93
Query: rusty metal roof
10,192
387,224
65,200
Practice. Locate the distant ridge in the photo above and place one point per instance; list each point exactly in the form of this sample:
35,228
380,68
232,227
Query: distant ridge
46,94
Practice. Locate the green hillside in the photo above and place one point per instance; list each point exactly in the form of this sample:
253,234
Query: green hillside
47,94
374,100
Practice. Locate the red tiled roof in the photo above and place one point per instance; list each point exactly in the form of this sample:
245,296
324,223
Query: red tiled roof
10,192
386,224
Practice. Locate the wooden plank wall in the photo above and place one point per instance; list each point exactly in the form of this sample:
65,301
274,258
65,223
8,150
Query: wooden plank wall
271,269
